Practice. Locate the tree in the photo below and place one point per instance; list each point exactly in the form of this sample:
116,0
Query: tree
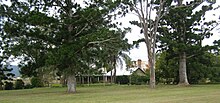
118,59
116,56
199,68
69,38
144,9
215,70
166,68
180,35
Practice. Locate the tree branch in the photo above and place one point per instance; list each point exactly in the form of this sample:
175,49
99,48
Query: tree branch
81,30
99,42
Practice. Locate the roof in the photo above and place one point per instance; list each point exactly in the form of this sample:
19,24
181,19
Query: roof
121,72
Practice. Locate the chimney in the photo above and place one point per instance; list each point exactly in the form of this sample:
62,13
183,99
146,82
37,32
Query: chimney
139,63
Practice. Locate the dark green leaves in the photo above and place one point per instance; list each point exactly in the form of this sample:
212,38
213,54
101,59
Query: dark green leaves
71,38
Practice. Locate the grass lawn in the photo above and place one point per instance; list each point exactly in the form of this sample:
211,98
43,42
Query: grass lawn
116,94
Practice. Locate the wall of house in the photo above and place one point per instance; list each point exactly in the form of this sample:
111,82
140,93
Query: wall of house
139,72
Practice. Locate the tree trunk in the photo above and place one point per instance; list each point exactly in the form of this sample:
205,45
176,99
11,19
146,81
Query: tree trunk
114,76
88,80
80,79
182,70
111,77
152,77
83,80
114,66
105,79
152,71
71,84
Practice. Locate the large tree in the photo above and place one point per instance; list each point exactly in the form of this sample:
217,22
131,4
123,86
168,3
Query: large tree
199,68
145,11
62,34
182,32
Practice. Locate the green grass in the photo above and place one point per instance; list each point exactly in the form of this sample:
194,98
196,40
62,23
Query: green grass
116,94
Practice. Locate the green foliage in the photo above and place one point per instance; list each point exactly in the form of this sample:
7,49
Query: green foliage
70,39
138,80
5,73
183,31
200,69
9,85
215,69
19,84
122,79
166,68
133,79
36,82
28,86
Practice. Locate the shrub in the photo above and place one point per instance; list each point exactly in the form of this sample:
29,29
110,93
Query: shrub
28,86
8,85
36,82
19,84
1,88
138,80
122,79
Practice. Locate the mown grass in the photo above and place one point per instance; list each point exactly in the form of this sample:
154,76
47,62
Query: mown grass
116,94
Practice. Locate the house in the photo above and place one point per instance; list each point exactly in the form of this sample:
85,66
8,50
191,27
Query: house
138,68
143,65
139,72
127,72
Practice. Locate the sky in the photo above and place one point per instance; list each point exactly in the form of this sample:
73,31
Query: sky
141,52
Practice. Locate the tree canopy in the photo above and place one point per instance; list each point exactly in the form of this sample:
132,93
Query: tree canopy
181,34
63,34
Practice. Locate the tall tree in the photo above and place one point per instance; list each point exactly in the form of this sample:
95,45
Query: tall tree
182,32
145,9
199,68
67,35
115,57
117,60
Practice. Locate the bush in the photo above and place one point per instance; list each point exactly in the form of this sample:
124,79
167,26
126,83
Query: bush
19,84
1,88
28,86
36,82
8,85
138,80
122,79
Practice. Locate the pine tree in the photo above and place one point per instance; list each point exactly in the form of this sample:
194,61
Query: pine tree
182,32
62,34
